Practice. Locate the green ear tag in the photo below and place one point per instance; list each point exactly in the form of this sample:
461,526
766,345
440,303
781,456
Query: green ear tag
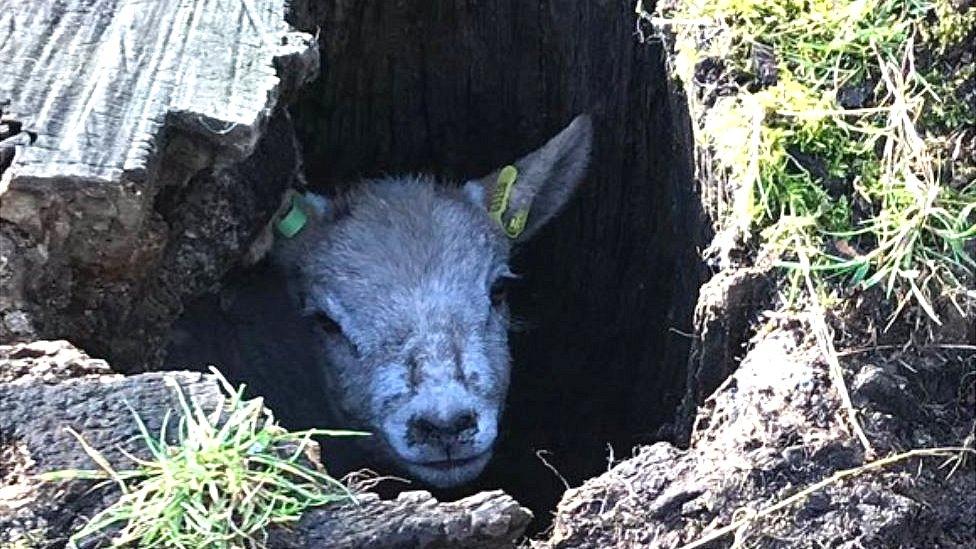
499,203
294,220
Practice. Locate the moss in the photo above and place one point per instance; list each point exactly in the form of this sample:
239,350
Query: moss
948,26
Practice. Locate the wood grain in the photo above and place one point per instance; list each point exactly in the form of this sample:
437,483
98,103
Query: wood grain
97,79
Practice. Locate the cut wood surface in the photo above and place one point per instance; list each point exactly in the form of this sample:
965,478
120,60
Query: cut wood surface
153,166
97,79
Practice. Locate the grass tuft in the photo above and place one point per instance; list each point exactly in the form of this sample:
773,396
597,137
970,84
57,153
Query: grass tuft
224,480
845,129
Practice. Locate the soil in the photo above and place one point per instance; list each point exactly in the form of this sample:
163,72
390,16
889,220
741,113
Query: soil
776,426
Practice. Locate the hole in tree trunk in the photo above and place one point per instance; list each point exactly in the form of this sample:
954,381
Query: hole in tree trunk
608,288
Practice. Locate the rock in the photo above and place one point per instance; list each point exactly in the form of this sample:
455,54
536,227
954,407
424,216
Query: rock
47,386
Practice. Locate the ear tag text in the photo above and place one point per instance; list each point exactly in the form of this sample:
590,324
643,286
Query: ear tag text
514,226
294,221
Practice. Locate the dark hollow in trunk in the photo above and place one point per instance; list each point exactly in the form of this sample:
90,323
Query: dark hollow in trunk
459,88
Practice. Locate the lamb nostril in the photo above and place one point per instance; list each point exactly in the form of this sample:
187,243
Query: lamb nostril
425,427
465,422
432,431
424,431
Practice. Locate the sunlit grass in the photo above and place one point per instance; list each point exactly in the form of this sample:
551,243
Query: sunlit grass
221,481
864,193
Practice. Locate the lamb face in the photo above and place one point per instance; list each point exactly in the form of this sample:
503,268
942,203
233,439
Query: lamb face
414,347
404,279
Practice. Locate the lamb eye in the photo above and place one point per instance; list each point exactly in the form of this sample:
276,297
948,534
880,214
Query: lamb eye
328,325
498,292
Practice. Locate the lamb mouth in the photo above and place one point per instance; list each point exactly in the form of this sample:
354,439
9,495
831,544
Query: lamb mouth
449,464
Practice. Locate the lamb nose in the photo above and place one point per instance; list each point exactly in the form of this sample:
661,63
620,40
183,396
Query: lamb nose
435,430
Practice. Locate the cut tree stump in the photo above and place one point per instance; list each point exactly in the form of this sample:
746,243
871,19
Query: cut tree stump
152,167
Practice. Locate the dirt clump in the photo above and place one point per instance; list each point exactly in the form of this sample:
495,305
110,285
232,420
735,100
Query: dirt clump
776,426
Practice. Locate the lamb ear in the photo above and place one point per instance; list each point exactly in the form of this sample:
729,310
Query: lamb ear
544,179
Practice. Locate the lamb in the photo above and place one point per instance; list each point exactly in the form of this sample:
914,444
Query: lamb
401,282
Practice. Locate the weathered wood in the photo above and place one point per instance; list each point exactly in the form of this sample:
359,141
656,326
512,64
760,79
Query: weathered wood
97,80
776,428
138,108
414,519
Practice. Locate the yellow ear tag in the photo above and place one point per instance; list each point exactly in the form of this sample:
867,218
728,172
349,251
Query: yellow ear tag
500,202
